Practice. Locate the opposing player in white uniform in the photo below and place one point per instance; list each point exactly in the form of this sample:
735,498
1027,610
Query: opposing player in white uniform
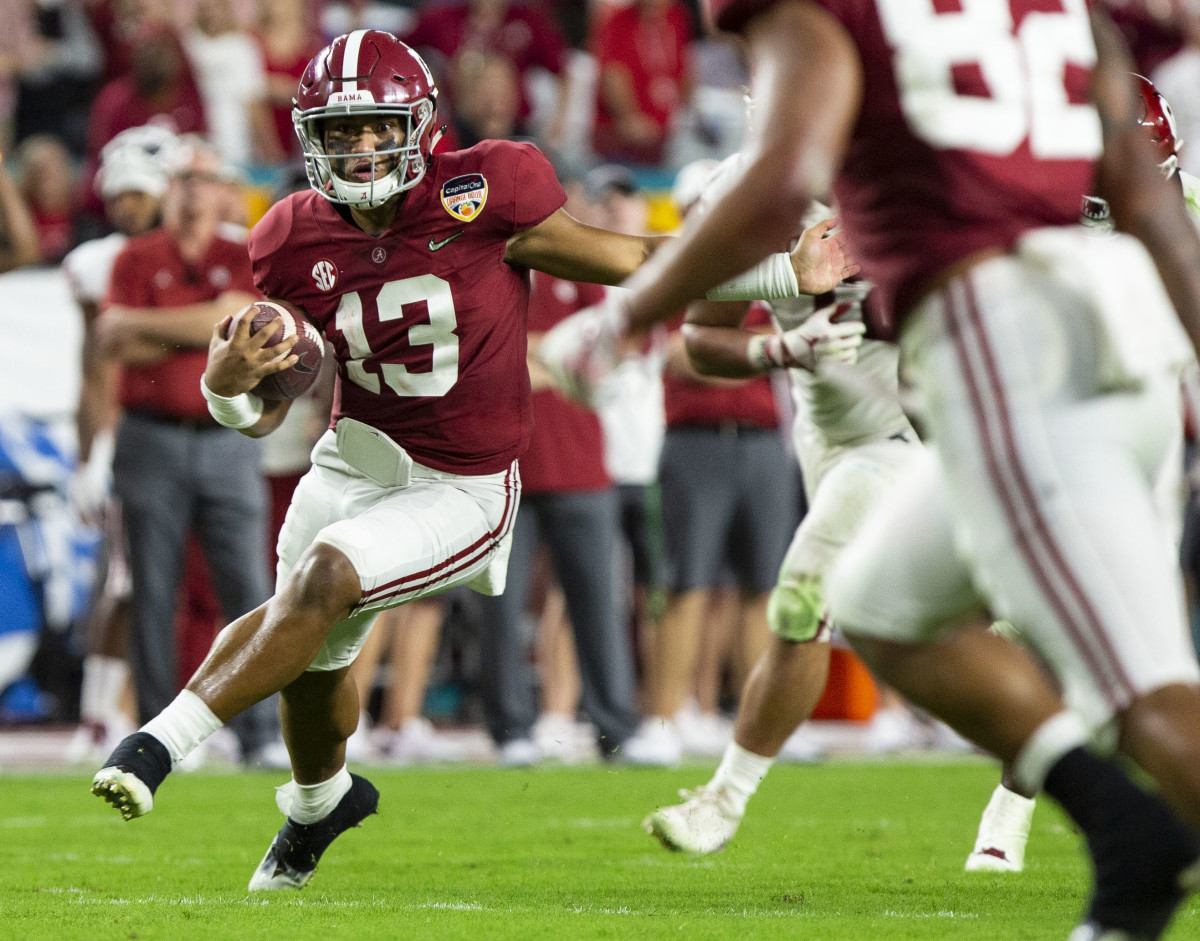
131,181
852,443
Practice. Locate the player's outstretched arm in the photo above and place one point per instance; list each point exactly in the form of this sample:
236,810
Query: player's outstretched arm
1142,202
807,87
566,248
718,344
236,364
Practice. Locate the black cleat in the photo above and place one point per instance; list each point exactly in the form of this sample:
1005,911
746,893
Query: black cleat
292,858
1145,866
132,774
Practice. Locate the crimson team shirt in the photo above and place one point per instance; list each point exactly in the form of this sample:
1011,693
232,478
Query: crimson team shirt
427,322
653,51
526,36
149,272
692,404
566,451
939,167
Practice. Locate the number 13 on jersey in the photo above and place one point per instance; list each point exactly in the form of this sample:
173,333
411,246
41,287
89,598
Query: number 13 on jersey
436,339
1023,71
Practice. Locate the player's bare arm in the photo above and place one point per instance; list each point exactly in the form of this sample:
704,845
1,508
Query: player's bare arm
237,364
1142,202
124,330
797,141
562,246
718,343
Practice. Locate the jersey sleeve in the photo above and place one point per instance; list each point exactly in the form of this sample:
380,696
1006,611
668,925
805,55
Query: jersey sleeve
267,267
537,194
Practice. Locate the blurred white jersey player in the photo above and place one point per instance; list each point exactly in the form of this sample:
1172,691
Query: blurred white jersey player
852,441
131,182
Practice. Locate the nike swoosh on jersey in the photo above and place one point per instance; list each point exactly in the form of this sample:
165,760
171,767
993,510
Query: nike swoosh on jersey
434,246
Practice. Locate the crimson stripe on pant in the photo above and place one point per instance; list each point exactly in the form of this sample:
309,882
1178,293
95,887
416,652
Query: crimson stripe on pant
461,560
1009,479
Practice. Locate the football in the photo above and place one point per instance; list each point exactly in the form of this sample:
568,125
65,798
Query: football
310,348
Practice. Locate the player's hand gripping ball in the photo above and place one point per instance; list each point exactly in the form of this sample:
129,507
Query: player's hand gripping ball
310,348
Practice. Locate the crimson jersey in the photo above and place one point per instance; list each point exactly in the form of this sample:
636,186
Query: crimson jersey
975,127
427,321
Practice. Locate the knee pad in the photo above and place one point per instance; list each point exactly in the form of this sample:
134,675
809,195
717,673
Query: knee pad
795,611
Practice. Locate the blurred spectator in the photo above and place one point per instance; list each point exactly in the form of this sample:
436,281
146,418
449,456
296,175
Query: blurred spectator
642,54
132,181
20,50
408,638
18,235
489,99
233,82
159,89
522,33
55,95
48,186
175,469
288,39
630,406
729,503
568,502
117,25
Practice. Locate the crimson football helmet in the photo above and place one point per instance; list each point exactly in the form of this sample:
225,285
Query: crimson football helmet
366,72
1158,120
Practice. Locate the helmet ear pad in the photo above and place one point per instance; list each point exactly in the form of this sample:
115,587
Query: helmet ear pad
366,72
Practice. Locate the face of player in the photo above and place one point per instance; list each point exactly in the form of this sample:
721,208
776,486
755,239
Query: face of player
133,213
358,141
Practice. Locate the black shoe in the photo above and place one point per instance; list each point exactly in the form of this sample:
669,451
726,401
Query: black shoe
292,858
1146,864
132,774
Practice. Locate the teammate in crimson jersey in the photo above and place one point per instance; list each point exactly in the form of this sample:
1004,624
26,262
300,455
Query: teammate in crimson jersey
415,268
960,140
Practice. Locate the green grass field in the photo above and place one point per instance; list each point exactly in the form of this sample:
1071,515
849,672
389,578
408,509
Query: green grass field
847,850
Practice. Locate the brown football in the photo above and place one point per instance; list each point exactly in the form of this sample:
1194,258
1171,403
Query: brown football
310,348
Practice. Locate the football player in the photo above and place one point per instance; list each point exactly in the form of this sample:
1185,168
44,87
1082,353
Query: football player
863,437
1047,362
415,269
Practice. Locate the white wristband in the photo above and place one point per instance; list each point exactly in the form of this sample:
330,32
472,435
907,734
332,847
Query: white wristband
763,350
239,411
770,280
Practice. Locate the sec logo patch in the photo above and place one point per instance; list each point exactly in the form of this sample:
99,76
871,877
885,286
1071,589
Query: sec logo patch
463,197
324,275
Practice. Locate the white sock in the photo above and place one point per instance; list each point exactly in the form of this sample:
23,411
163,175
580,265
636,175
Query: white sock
308,803
1049,742
183,725
740,773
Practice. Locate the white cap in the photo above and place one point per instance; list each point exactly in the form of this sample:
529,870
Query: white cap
139,159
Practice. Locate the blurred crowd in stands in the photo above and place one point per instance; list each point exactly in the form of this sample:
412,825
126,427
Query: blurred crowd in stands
623,601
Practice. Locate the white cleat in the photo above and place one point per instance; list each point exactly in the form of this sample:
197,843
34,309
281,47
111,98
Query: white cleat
124,790
705,821
274,875
1003,833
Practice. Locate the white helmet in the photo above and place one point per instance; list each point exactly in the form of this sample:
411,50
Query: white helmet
140,159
